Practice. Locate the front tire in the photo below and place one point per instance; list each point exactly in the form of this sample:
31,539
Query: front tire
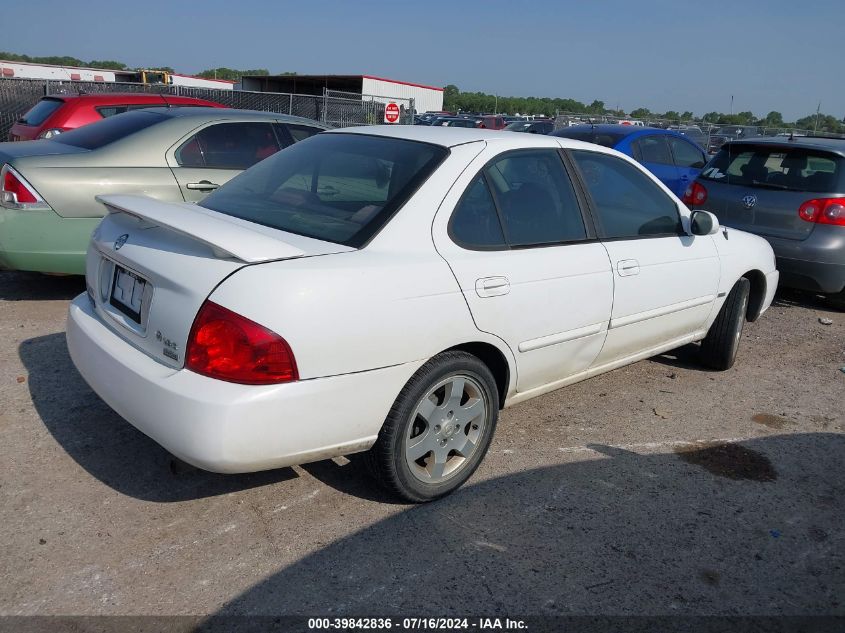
438,430
719,347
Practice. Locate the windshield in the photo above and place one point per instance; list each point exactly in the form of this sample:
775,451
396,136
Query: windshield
38,113
336,187
114,128
777,168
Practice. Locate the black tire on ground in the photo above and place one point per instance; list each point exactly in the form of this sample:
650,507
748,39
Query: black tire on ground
719,347
387,461
837,300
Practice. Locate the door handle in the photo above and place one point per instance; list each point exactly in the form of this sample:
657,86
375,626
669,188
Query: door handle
685,178
628,267
492,286
202,185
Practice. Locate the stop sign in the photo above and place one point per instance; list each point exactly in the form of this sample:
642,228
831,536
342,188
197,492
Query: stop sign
391,113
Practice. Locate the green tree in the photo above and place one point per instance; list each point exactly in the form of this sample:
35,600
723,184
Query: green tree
640,113
107,64
773,119
230,74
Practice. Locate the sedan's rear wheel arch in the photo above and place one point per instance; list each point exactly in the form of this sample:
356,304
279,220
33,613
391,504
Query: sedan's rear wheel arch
496,362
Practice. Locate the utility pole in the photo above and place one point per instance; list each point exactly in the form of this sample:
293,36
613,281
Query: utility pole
818,110
496,105
732,105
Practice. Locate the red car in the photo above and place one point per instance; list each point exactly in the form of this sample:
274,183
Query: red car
59,113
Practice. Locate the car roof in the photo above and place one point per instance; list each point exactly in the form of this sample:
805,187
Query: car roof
120,97
836,145
222,113
452,136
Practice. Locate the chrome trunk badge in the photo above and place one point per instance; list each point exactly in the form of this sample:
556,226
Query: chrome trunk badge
749,201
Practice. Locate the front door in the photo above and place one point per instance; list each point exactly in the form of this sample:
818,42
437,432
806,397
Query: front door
665,280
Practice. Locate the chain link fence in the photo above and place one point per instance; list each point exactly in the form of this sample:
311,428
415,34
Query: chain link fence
338,109
701,131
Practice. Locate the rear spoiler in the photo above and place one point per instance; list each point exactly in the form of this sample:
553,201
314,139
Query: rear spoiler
227,237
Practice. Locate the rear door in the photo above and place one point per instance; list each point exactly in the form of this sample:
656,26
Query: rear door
518,245
653,152
760,188
218,152
689,160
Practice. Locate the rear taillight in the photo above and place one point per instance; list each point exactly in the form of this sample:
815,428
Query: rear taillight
227,346
823,211
695,195
17,193
53,131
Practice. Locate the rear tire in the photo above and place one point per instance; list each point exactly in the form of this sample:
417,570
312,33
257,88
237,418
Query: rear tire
837,300
719,347
438,430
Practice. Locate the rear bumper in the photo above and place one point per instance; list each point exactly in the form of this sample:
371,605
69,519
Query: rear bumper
43,241
226,427
816,264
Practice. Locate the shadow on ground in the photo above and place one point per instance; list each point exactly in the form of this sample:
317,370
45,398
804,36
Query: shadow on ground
751,528
788,298
22,286
107,446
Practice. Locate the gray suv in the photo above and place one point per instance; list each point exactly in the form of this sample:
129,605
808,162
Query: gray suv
791,192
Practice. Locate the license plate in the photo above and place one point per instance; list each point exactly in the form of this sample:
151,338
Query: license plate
127,293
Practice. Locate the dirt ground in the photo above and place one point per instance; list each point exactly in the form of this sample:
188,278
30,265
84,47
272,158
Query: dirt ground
659,488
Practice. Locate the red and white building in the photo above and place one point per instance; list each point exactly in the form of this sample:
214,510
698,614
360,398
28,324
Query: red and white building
426,98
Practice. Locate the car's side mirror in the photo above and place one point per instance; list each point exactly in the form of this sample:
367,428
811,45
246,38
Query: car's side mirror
703,223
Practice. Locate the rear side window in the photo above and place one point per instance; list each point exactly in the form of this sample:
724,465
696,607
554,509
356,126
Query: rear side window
524,198
41,111
107,111
653,149
627,203
300,132
228,146
101,133
685,154
337,187
606,139
789,169
475,222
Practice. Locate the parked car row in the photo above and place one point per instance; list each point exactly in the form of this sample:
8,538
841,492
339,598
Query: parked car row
252,266
419,278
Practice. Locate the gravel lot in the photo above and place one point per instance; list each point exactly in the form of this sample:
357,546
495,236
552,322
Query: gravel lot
660,488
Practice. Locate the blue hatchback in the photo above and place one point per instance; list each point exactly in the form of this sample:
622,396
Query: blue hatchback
672,157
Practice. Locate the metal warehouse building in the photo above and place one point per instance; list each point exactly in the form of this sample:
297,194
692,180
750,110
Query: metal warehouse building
426,98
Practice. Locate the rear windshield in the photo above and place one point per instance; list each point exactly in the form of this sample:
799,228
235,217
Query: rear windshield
339,188
39,113
114,128
608,139
790,169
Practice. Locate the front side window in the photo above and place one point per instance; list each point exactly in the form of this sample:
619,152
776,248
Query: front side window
627,203
228,146
685,154
789,169
336,187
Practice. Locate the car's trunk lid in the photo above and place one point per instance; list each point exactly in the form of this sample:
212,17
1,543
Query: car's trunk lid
152,264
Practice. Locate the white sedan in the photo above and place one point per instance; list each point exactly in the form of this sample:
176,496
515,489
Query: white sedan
389,289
